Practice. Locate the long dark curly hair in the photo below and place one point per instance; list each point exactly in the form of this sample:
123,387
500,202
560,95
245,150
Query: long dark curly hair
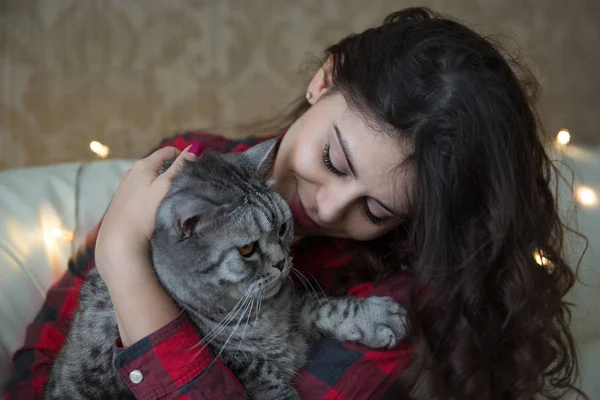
487,322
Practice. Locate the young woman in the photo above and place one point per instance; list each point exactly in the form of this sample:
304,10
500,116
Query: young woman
414,168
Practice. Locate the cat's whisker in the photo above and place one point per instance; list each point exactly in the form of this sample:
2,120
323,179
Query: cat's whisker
245,326
258,310
312,288
232,315
244,304
303,282
308,281
320,288
252,306
223,324
301,278
311,285
230,335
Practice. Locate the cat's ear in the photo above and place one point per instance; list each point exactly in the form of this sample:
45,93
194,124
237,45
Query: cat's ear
186,214
262,156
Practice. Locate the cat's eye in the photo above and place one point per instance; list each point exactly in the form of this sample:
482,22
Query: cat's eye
247,250
283,229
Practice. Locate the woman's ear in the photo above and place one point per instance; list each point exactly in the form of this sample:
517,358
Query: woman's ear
321,82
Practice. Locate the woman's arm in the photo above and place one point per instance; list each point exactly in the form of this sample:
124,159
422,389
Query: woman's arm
157,351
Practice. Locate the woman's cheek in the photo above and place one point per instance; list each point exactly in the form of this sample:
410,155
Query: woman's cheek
306,163
360,228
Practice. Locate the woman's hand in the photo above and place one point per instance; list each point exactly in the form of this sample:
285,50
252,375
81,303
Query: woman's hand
141,304
129,221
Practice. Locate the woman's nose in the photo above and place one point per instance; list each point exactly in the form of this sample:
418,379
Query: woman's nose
333,203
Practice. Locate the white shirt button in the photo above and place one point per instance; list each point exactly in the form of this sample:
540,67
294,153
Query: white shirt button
136,376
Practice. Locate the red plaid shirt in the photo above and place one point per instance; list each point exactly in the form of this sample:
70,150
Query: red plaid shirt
335,370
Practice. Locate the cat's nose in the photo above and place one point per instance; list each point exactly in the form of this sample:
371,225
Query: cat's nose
280,265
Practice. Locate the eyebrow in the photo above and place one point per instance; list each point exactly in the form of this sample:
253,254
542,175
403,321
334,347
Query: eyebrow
349,160
345,150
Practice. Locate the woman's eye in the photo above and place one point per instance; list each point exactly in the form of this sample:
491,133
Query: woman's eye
247,250
372,217
328,164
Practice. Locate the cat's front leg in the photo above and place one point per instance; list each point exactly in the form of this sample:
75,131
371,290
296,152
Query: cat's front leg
269,387
263,378
282,393
377,322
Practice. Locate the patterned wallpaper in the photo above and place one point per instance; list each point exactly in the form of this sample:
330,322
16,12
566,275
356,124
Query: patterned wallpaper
129,72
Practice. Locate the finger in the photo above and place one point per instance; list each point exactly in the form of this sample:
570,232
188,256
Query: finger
125,174
191,153
155,161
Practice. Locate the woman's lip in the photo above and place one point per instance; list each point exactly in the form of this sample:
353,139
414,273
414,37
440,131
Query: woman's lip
300,215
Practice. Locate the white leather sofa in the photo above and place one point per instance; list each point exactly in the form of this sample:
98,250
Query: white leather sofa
37,204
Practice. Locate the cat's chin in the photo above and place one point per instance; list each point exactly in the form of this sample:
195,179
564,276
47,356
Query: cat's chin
273,290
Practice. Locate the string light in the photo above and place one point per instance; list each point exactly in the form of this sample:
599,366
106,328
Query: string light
540,259
56,237
563,137
60,234
100,149
543,261
586,196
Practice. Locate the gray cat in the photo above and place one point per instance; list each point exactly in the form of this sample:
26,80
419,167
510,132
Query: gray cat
221,249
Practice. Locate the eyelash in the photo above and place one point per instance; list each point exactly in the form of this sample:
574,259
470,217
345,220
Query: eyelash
374,219
329,165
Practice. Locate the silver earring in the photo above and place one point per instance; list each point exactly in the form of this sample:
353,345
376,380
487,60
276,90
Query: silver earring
308,95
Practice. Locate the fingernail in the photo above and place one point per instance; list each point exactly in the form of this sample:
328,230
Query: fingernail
196,149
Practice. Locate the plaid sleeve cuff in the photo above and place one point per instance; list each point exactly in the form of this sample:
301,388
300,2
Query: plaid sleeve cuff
171,363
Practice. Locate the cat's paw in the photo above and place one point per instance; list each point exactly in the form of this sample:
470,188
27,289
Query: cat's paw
381,322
